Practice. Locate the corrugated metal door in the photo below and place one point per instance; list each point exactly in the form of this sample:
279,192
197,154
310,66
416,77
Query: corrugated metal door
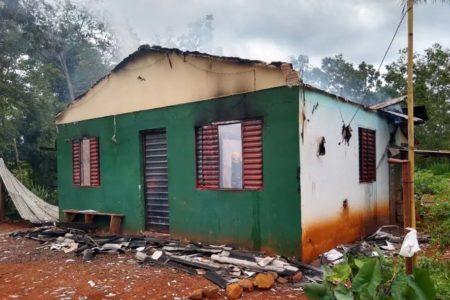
156,180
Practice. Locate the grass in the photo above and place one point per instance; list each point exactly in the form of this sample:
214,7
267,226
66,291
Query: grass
432,187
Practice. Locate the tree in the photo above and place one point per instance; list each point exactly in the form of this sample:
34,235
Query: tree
338,76
431,88
49,52
67,36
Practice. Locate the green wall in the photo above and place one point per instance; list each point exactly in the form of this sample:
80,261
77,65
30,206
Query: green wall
268,219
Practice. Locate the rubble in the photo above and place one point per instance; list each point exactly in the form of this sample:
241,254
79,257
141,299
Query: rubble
246,284
211,292
264,281
234,270
297,277
234,291
388,239
230,269
282,280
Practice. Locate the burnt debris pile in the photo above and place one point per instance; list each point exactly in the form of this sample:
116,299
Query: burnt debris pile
223,265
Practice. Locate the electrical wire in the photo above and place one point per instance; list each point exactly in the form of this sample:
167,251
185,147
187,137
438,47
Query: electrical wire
405,12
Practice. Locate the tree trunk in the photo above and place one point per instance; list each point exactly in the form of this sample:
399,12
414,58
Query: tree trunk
63,63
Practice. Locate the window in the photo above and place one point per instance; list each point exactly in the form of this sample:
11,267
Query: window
367,155
229,155
86,162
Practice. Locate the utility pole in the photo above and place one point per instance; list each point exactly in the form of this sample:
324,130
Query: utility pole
412,223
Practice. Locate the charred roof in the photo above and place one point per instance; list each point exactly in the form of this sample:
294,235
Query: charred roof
147,49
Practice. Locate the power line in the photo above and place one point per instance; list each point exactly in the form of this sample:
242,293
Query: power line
405,12
392,40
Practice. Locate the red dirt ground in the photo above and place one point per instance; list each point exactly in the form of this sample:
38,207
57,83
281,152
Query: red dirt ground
28,272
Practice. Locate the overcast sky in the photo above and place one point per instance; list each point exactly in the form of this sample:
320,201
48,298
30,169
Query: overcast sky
273,30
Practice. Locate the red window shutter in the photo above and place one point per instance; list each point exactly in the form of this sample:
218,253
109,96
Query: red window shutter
367,155
207,157
76,162
252,154
95,161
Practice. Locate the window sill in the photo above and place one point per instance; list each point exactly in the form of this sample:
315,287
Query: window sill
230,190
86,186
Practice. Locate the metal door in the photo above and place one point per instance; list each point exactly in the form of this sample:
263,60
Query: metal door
156,180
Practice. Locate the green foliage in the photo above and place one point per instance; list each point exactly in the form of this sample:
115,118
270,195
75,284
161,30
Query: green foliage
439,273
433,193
372,278
422,285
368,278
316,291
340,273
69,38
48,51
431,88
24,174
362,83
338,76
427,182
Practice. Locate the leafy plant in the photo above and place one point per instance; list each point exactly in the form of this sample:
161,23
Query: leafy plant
433,193
439,273
426,182
371,278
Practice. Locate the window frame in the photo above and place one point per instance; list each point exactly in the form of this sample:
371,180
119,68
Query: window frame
94,159
367,155
197,144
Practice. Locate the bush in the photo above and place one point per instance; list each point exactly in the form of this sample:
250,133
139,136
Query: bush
427,182
372,278
439,273
433,185
23,174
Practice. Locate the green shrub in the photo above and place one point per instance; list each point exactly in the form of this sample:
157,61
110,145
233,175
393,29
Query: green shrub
372,278
439,273
432,187
427,182
23,174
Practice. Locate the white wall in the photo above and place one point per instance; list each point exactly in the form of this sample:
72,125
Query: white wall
326,181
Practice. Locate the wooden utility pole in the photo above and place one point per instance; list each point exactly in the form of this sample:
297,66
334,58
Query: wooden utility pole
406,187
410,91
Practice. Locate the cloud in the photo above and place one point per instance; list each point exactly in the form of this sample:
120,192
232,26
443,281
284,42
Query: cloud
274,30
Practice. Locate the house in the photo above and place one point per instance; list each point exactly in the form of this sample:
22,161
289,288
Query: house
225,150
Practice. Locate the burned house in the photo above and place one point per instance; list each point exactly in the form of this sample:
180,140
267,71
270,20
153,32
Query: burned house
225,150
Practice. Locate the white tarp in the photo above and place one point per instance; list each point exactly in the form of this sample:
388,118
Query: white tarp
29,206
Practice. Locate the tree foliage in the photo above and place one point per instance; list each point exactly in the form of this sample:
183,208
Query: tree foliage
338,76
431,89
365,85
68,37
46,49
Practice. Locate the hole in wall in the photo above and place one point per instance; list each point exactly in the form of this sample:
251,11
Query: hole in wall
321,150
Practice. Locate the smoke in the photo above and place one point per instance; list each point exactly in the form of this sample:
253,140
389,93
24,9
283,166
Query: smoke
361,84
198,37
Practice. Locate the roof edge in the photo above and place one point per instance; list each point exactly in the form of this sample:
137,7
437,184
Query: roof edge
286,68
